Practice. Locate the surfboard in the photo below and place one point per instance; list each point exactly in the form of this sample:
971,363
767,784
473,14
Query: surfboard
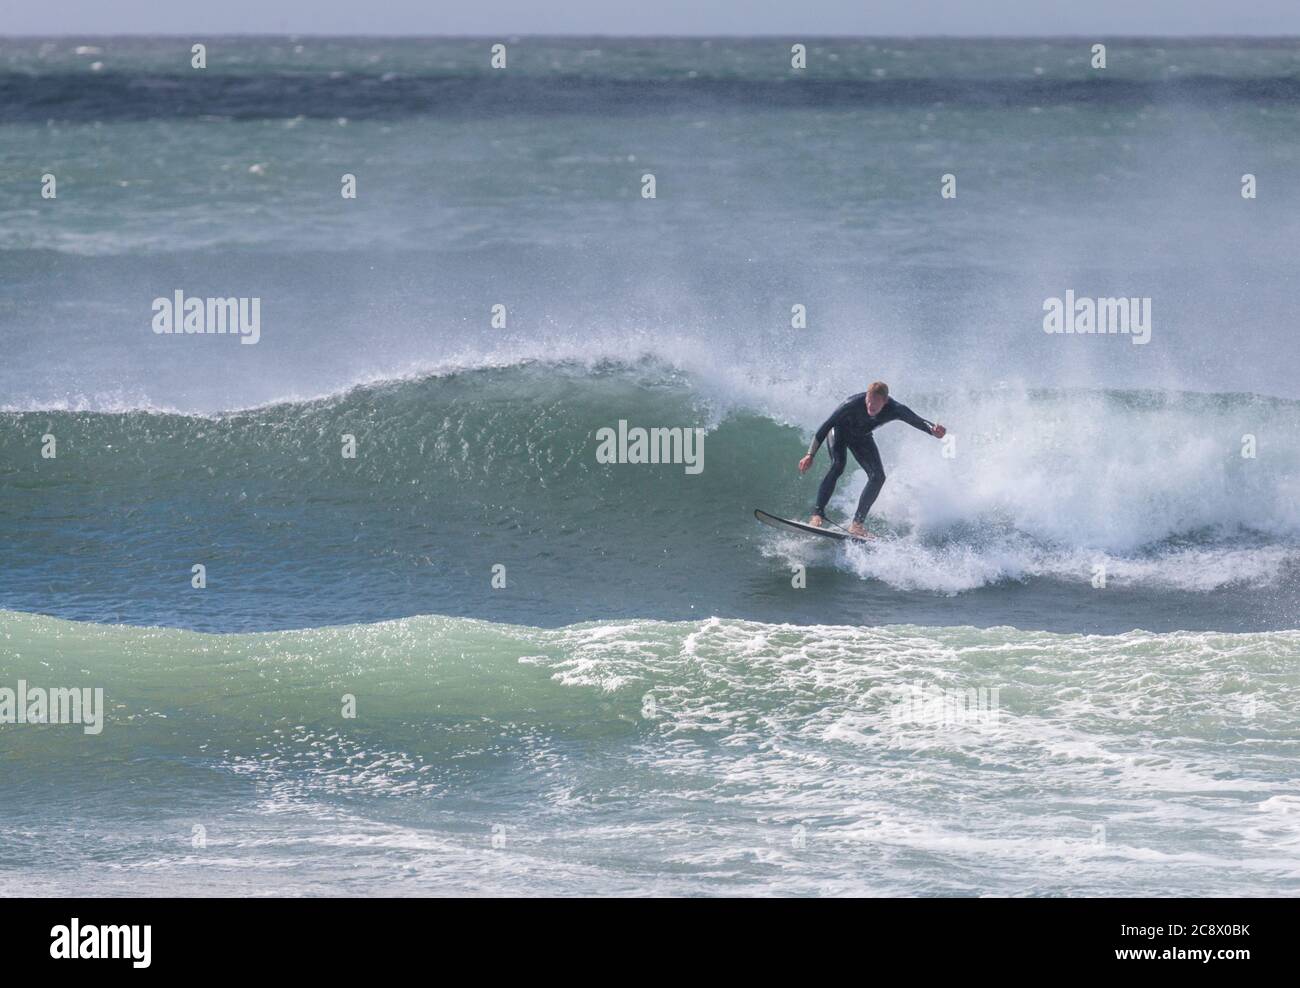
787,524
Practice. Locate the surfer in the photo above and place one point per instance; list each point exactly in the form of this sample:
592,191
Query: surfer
850,427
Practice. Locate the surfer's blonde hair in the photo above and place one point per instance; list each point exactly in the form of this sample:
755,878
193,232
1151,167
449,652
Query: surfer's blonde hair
879,388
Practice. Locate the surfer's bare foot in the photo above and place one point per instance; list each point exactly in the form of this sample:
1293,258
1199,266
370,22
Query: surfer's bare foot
816,521
858,532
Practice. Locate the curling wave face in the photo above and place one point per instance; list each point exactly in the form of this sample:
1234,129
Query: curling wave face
457,473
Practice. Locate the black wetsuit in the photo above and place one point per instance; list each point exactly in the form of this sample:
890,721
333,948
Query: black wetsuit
851,427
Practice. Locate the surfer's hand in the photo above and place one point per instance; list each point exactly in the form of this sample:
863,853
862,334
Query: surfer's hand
805,463
938,431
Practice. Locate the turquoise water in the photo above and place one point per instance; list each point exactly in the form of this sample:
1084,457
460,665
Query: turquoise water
635,757
648,704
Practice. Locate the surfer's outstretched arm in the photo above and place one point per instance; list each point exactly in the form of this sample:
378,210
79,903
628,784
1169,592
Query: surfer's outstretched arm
823,431
905,414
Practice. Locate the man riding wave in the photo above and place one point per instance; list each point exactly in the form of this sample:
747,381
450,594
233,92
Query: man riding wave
850,427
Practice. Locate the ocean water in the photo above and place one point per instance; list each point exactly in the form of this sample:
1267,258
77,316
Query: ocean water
649,704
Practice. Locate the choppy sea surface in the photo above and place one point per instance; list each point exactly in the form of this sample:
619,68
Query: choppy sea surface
649,704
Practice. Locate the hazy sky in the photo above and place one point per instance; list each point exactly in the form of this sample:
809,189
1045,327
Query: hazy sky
795,17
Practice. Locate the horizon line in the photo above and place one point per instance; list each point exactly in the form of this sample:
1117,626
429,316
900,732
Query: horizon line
663,37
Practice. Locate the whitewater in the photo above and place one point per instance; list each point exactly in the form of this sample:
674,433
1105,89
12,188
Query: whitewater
461,471
476,658
645,757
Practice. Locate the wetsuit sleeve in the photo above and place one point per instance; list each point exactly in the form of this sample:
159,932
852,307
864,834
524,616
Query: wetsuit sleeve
905,414
827,426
